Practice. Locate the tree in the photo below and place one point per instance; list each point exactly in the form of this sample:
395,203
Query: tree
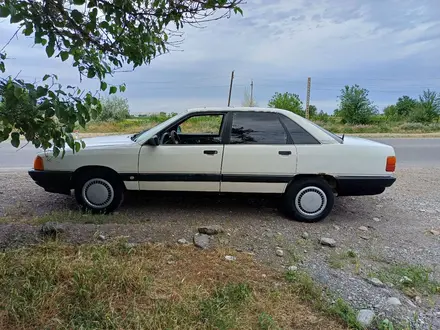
248,102
98,37
313,111
405,105
114,108
428,107
390,112
355,107
287,101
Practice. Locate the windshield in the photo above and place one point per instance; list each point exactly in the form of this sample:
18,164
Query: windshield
155,129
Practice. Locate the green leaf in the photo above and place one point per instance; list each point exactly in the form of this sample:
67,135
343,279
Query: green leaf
77,146
78,2
56,151
113,90
83,144
17,92
15,139
50,50
77,16
4,11
81,120
46,76
122,88
64,56
2,67
43,42
103,85
91,72
238,10
41,91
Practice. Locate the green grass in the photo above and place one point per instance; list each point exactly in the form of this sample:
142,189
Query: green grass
340,260
421,283
207,124
116,286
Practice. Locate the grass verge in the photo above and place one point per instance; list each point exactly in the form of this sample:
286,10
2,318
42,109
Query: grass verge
413,280
118,286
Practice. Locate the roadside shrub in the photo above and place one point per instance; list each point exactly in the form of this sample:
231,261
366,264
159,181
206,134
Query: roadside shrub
412,127
114,109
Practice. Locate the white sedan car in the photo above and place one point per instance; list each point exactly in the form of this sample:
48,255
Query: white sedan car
224,150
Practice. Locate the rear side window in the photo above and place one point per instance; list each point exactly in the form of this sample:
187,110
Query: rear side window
257,128
299,135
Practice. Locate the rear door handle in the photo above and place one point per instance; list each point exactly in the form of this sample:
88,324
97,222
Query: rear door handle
285,153
210,152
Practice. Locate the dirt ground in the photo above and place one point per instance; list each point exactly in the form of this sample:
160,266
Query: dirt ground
396,229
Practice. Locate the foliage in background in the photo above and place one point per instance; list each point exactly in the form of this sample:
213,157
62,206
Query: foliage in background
287,101
114,109
355,107
98,37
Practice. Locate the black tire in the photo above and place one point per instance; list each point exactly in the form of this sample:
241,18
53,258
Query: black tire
102,182
315,188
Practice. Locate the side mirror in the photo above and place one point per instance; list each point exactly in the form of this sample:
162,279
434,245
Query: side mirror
153,141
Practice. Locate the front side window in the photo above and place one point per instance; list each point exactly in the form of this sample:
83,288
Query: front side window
203,124
257,128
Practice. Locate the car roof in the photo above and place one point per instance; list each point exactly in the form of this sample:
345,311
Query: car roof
257,109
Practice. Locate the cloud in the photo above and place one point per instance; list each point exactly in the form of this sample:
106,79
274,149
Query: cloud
388,46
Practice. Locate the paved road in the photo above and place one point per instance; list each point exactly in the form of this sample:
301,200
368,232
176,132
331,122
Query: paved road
410,152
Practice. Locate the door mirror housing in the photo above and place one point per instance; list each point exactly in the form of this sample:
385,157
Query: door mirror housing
153,141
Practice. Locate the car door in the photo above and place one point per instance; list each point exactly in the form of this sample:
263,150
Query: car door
194,164
259,156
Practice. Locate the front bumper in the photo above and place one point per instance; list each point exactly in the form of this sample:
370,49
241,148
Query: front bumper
363,185
53,181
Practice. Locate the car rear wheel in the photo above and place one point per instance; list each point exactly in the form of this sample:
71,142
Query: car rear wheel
308,200
99,192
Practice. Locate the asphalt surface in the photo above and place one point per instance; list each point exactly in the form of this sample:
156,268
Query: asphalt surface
410,152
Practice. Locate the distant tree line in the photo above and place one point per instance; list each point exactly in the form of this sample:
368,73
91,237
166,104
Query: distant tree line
356,108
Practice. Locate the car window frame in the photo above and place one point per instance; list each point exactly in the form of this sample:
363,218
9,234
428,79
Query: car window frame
230,118
198,114
291,138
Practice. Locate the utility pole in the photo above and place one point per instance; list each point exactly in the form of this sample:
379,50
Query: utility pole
309,83
252,93
230,88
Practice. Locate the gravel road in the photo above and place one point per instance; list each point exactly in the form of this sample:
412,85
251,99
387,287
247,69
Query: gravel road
398,225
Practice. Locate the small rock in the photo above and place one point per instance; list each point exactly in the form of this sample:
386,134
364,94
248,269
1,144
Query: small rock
376,219
101,237
239,249
365,317
51,228
201,241
364,237
263,275
405,280
182,241
435,232
305,235
211,230
336,227
292,268
230,258
130,245
418,300
376,282
363,228
393,301
280,253
327,241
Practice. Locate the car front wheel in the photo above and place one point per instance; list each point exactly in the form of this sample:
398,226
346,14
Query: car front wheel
308,200
99,192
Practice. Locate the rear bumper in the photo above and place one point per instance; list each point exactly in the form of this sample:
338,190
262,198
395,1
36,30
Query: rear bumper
52,181
363,185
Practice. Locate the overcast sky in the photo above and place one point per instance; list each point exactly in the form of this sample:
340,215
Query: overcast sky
391,47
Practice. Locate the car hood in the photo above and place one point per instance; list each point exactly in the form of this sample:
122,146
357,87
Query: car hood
109,140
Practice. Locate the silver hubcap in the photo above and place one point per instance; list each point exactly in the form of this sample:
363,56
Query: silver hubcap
98,193
311,201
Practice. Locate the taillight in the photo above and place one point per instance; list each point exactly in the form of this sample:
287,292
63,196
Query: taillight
38,164
391,164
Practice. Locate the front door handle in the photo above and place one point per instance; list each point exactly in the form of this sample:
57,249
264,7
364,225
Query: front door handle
210,152
284,153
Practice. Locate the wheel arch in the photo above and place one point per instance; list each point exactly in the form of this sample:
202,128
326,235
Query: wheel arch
91,168
331,180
